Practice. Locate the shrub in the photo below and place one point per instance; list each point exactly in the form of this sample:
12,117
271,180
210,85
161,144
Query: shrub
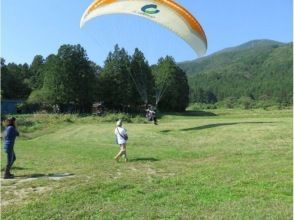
229,102
246,102
200,106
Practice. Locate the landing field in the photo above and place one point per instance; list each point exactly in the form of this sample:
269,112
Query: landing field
223,164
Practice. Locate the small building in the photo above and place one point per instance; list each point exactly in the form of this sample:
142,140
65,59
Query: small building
9,106
98,108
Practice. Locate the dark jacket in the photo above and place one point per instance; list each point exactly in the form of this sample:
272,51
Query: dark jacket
10,135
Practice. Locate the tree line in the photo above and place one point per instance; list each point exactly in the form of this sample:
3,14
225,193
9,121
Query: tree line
69,81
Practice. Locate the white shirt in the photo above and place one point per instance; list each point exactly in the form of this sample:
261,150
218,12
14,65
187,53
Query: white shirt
119,132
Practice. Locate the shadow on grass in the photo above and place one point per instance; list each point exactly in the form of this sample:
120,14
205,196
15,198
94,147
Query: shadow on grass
40,175
166,131
60,174
34,175
193,113
16,168
214,125
146,159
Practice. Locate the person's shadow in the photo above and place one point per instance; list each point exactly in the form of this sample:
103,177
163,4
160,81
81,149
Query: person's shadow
31,176
38,175
220,125
15,168
144,159
208,126
42,175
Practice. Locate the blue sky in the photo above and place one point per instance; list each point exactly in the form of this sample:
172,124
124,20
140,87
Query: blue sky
31,27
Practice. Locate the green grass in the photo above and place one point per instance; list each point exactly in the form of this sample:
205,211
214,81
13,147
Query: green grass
234,165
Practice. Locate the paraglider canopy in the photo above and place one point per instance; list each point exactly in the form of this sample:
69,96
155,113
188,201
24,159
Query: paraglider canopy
165,12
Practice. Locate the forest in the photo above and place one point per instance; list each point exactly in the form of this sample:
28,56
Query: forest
69,82
257,74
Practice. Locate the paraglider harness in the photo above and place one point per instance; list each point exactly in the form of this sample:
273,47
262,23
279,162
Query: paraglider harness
151,115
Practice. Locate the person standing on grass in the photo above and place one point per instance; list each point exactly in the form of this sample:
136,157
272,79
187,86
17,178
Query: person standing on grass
10,135
121,139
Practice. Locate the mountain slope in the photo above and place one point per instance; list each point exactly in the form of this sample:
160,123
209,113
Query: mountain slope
229,55
260,69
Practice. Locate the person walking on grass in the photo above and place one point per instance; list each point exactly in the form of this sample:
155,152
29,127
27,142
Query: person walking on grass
121,139
10,135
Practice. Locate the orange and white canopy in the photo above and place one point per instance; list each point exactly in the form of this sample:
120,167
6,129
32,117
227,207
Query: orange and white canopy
167,13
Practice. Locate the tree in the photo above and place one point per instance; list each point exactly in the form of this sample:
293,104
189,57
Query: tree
70,79
172,90
36,70
14,80
141,75
4,78
115,77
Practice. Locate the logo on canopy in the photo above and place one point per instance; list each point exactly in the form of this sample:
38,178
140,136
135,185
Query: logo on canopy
150,9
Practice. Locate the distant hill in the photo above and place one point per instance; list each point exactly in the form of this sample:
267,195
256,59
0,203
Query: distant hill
260,69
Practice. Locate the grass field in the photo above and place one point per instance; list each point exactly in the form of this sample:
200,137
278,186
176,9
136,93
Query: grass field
227,164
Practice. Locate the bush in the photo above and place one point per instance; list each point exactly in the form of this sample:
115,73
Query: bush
200,106
266,104
113,117
28,108
246,102
229,102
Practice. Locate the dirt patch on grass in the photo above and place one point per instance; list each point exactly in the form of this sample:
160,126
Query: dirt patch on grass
18,189
13,194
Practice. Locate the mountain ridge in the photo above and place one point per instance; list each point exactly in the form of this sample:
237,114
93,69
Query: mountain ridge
194,66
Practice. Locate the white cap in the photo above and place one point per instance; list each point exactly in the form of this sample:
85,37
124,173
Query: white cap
119,123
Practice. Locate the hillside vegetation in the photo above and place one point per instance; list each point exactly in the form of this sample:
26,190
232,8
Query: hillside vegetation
260,70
